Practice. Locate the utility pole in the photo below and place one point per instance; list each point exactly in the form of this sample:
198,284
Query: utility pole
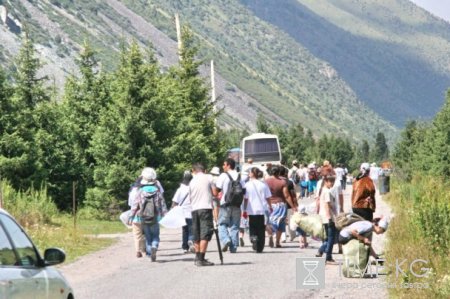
180,44
213,92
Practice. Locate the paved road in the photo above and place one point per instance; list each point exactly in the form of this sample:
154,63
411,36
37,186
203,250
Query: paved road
116,273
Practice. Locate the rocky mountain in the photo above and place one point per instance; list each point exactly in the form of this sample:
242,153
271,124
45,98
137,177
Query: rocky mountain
351,68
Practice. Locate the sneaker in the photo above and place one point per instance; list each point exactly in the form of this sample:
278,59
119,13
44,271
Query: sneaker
138,254
241,242
225,247
191,246
283,238
331,262
153,255
185,251
205,262
271,242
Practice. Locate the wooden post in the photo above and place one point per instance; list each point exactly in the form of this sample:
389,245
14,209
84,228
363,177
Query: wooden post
178,27
74,206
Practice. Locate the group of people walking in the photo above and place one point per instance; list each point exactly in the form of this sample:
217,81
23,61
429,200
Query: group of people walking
212,200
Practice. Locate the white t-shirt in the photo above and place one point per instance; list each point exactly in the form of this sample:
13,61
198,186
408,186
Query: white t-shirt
361,227
224,181
339,173
325,198
200,192
182,196
257,193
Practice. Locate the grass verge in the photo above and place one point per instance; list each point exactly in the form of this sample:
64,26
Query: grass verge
420,230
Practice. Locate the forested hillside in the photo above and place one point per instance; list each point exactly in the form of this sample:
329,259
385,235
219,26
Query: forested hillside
325,64
394,55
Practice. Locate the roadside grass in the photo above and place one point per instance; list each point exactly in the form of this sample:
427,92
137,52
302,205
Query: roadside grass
419,230
48,227
75,241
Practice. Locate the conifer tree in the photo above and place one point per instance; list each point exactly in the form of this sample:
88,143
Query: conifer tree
381,150
20,160
125,139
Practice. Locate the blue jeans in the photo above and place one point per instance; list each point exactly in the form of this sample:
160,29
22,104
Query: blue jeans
327,245
187,234
151,232
229,221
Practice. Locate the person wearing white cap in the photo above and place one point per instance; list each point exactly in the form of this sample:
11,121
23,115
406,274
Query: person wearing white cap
363,194
150,190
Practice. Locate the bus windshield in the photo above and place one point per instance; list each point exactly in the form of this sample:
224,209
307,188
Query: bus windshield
264,149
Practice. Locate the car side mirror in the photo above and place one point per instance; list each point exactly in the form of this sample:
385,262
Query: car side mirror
54,256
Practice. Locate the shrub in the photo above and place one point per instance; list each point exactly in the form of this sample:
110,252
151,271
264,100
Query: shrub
29,207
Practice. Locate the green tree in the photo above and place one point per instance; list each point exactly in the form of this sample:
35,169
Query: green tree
381,150
433,153
191,120
125,140
262,126
20,160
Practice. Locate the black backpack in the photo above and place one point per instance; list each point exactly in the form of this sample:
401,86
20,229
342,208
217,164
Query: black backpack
148,212
235,193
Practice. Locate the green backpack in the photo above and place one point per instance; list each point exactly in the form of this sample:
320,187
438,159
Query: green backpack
345,219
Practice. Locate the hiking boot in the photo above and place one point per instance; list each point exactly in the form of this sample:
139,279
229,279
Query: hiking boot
153,255
241,242
138,254
271,242
202,263
225,247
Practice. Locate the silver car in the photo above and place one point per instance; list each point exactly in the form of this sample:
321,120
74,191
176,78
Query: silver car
23,272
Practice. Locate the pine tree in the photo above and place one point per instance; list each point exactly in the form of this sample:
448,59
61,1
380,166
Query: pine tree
21,160
125,140
381,150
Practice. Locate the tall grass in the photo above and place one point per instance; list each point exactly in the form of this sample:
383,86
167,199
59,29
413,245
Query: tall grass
29,207
420,230
48,227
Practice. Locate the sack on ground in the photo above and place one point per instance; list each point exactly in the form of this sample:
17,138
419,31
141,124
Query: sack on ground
311,224
174,218
356,257
345,219
235,193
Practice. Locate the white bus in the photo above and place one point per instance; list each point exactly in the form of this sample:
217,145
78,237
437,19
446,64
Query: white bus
262,148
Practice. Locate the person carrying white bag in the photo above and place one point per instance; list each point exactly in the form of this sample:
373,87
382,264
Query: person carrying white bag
182,213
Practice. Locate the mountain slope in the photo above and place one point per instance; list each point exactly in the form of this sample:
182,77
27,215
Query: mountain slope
380,48
325,64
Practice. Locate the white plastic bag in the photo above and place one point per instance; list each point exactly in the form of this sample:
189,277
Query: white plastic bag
174,218
124,218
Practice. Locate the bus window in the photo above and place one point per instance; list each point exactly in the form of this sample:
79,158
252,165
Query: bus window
265,149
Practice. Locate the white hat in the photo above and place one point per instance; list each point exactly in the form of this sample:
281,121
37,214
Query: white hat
364,167
148,175
215,170
295,162
373,164
384,223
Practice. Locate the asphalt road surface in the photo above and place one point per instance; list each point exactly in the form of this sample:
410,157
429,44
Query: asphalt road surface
115,272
